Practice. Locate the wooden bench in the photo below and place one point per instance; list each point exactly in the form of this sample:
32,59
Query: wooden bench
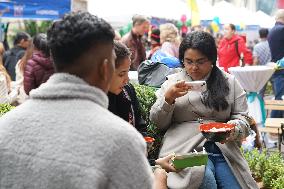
273,125
274,104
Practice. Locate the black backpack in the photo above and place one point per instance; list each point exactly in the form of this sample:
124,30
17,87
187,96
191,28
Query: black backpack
10,59
153,74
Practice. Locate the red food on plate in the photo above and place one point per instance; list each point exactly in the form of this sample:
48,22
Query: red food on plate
216,127
216,132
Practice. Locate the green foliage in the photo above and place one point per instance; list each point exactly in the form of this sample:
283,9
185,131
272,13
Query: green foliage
146,96
4,108
275,168
268,90
267,167
256,162
34,27
278,183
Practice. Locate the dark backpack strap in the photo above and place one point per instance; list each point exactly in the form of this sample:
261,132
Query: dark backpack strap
237,48
238,53
5,56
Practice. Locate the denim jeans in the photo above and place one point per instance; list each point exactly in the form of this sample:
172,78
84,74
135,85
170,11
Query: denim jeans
277,80
218,174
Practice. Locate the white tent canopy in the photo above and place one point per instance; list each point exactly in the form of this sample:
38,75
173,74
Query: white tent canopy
228,13
264,20
117,12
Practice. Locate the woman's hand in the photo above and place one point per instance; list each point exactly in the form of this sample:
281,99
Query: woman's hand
234,133
166,164
177,90
160,179
231,137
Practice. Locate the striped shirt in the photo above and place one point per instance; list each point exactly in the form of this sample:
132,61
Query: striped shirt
262,52
4,91
7,95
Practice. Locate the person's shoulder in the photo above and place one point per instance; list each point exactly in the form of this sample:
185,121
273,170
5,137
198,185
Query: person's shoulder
278,26
120,130
276,31
114,122
222,41
117,131
2,77
179,75
227,75
14,118
258,46
237,38
31,63
174,78
119,125
7,53
126,37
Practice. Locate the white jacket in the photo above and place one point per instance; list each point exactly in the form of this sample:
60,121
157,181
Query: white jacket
5,95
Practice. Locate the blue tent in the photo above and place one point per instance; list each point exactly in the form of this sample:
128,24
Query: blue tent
34,9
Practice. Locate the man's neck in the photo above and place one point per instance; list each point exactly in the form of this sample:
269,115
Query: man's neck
263,39
134,31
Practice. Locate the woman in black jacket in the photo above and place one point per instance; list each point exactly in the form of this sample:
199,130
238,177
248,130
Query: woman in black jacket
123,101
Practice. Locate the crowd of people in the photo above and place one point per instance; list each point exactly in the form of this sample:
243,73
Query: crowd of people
78,124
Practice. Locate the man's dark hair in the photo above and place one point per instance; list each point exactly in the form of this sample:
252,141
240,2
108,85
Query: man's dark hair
19,36
233,27
217,84
74,35
40,43
121,52
263,33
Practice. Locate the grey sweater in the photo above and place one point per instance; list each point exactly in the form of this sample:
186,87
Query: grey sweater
64,137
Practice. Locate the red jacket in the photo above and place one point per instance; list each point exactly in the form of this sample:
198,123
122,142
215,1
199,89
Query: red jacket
227,53
37,71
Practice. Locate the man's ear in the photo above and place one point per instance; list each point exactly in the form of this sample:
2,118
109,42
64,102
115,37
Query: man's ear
104,70
105,74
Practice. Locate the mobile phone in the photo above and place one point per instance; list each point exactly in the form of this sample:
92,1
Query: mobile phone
197,85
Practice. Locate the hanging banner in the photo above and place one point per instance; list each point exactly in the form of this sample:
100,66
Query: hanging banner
34,9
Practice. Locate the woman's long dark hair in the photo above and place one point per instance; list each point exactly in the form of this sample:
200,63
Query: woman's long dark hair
217,84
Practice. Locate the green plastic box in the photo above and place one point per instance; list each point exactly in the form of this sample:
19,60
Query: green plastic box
190,160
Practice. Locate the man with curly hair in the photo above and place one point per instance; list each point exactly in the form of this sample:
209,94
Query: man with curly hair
64,136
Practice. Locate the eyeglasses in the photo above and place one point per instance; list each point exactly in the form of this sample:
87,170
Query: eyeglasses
197,62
